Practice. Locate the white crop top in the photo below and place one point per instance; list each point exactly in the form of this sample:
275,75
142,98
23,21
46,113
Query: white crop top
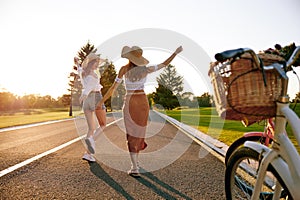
137,85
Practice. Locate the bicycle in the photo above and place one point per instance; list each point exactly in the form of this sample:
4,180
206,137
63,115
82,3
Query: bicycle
256,171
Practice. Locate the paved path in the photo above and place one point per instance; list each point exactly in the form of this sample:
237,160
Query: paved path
196,174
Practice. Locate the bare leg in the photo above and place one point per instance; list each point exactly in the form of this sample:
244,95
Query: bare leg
91,128
101,117
89,115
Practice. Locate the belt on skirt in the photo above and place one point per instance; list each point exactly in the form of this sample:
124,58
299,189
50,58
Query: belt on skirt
134,92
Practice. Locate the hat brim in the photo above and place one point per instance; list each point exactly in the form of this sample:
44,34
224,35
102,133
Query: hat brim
137,60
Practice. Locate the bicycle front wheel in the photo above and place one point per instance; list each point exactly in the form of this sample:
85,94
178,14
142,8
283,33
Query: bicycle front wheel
241,175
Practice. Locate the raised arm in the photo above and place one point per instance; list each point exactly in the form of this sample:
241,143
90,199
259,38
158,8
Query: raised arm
168,60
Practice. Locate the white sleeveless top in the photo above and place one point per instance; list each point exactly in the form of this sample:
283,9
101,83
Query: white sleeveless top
139,84
89,83
136,85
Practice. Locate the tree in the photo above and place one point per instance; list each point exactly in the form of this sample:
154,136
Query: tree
297,98
169,78
29,101
64,100
165,97
205,100
188,99
170,87
45,102
7,101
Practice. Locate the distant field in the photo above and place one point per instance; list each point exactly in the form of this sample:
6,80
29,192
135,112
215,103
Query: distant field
8,119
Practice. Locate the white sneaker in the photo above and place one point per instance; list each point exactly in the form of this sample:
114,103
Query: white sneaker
90,142
88,157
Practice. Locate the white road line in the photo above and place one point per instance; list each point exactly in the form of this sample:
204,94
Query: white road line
32,125
26,162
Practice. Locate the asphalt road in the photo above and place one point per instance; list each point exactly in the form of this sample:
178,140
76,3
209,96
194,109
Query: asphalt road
174,166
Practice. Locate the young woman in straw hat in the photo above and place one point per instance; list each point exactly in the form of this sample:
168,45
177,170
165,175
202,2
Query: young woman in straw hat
91,95
136,106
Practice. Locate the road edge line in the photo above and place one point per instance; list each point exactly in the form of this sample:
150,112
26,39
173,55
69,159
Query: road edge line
201,138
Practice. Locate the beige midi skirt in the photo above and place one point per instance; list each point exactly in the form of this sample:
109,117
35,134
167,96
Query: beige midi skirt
136,113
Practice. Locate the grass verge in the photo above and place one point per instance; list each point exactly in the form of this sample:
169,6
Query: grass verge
16,118
207,121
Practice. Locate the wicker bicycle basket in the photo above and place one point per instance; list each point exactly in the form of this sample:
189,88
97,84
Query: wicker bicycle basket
240,92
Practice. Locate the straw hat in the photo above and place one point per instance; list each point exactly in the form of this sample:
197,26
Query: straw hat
134,55
91,57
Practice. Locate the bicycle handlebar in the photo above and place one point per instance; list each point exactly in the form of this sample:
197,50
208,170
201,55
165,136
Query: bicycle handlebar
225,55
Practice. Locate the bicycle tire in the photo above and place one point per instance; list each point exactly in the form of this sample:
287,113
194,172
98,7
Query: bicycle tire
239,143
241,177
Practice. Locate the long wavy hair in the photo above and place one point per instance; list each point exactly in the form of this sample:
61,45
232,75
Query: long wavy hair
87,70
134,72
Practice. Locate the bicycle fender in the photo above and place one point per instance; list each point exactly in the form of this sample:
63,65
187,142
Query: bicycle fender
280,166
249,136
257,147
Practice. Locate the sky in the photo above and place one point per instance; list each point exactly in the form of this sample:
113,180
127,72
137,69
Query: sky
39,38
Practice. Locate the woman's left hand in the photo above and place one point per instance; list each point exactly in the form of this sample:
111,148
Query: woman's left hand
100,103
82,98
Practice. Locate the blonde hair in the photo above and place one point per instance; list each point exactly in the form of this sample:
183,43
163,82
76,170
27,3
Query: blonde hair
134,72
87,70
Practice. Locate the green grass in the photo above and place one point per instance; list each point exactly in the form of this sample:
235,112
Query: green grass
208,121
8,119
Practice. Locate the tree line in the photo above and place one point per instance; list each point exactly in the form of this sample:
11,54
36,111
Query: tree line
12,102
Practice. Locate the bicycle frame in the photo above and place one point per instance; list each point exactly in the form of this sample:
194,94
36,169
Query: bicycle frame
268,133
283,156
266,137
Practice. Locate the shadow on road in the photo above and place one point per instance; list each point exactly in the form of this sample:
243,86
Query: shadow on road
97,170
147,179
155,180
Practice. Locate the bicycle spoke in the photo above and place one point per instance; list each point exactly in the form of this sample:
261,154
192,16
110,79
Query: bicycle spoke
241,175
